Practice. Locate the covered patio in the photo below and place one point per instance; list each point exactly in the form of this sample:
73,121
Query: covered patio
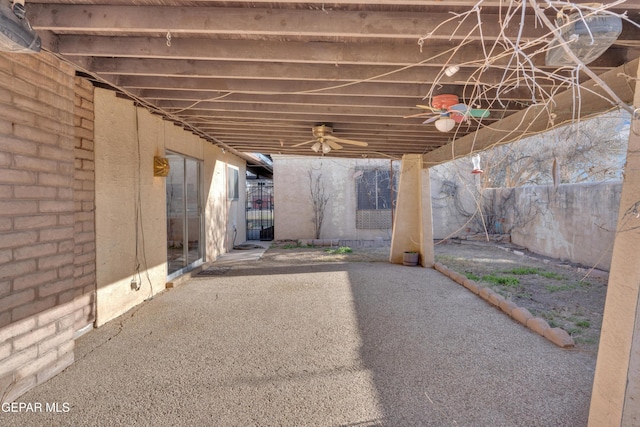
348,344
323,344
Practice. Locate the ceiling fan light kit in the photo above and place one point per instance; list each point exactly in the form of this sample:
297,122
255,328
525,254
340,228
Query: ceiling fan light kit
324,140
445,124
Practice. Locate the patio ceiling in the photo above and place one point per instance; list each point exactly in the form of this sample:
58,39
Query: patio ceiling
255,76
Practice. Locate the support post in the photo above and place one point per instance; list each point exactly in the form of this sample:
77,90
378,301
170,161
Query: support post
615,400
412,227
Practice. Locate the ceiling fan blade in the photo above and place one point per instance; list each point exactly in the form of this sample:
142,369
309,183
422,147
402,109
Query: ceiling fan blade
479,113
458,118
303,143
431,120
462,108
346,141
427,107
332,144
419,115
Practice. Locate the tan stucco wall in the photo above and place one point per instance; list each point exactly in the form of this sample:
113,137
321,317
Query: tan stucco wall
221,213
575,222
447,220
292,204
125,187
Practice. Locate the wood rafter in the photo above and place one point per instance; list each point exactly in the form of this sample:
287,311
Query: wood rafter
255,76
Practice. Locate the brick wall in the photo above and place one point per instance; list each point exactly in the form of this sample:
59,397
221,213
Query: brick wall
84,205
47,249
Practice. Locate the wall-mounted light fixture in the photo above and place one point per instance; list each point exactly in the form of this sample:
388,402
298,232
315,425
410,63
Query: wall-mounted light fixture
161,166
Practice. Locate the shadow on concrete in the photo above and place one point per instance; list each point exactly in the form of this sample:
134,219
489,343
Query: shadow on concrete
257,270
356,344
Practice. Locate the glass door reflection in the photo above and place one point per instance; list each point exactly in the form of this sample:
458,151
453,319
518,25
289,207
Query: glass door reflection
184,214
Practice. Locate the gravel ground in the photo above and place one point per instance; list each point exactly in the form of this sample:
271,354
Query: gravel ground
294,340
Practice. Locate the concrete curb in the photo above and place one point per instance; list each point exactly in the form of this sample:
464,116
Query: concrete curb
558,336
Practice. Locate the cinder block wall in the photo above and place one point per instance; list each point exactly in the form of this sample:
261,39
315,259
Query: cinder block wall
47,249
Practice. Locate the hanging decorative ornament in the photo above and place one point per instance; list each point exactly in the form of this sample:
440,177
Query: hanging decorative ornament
476,164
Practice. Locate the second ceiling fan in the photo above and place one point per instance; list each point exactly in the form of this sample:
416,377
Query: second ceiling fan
324,140
446,111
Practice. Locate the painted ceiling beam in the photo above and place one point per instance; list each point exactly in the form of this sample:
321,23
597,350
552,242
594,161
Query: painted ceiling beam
335,54
199,21
187,98
220,87
294,71
319,5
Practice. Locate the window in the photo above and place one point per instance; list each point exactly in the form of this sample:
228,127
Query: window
375,192
232,181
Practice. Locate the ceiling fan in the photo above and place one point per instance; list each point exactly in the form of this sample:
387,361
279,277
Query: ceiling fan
447,111
324,140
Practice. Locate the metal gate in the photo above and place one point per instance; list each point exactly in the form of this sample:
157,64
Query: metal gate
259,209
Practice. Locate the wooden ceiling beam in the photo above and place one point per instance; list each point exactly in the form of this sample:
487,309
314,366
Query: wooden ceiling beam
296,71
302,136
190,98
319,5
304,128
199,21
289,71
332,104
182,99
374,53
253,73
220,87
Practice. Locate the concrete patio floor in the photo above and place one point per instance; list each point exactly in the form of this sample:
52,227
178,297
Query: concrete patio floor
334,344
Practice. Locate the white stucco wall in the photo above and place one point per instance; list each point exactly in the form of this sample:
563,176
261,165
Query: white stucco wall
126,188
293,212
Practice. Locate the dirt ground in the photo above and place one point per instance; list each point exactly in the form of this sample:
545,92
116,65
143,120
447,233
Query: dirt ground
556,291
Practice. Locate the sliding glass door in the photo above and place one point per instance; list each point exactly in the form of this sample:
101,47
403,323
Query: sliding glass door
184,215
